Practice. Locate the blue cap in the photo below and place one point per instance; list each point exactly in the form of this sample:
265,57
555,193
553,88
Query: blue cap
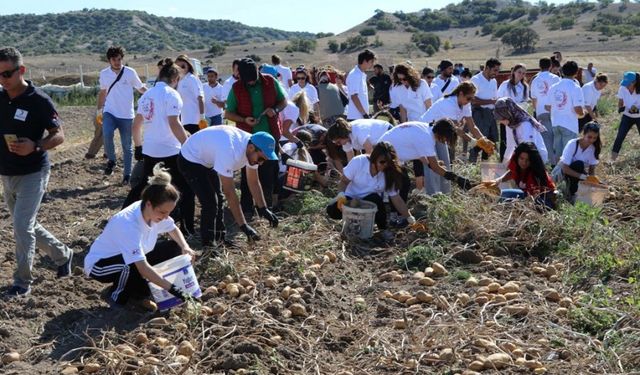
628,78
269,69
265,142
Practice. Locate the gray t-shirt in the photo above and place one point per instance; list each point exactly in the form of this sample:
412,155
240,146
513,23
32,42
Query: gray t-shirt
330,103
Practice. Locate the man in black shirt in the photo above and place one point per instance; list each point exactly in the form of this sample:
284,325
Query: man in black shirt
381,83
25,114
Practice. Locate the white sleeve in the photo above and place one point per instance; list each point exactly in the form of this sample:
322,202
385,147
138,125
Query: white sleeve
103,81
429,115
351,169
130,244
620,94
568,152
577,97
466,110
347,147
136,82
166,225
313,97
174,105
502,90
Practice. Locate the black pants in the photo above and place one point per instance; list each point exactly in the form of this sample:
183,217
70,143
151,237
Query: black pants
626,123
186,207
418,168
572,182
584,121
127,281
486,123
192,128
381,215
205,184
268,175
503,141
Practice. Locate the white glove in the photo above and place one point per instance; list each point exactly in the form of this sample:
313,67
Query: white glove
583,177
411,220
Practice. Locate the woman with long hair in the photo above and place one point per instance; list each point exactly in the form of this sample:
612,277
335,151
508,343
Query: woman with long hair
416,97
629,106
521,127
192,94
296,113
516,88
580,157
357,135
368,177
526,168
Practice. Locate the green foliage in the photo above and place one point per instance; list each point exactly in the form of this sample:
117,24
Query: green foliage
368,31
384,24
355,42
95,29
306,203
430,51
377,42
217,49
593,317
447,45
560,23
422,40
533,14
614,24
334,47
77,97
324,35
418,257
521,38
301,45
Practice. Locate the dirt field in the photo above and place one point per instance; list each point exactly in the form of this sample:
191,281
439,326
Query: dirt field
313,304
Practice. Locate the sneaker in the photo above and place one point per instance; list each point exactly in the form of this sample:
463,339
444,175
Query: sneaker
109,169
126,180
89,156
18,291
65,269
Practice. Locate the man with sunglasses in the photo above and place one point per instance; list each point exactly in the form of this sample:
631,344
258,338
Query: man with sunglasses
25,114
115,105
208,159
253,104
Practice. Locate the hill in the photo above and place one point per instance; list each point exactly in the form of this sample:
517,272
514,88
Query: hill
95,29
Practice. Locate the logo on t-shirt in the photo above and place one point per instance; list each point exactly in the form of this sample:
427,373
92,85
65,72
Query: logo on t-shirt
543,86
135,252
561,99
147,108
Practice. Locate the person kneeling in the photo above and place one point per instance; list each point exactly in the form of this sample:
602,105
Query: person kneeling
367,178
527,169
127,248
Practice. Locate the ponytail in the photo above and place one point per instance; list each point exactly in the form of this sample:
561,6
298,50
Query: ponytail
169,71
159,189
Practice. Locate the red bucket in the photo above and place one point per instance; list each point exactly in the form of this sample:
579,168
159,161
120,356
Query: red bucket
299,175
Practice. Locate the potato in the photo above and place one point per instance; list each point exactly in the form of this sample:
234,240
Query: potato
540,370
447,354
499,298
418,275
502,272
401,296
286,292
206,310
511,296
566,302
91,367
476,366
161,342
481,300
157,322
509,346
149,305
298,310
424,297
181,327
551,295
518,353
438,269
246,282
400,324
509,287
517,310
493,287
271,281
562,311
411,301
331,255
125,349
10,357
484,281
427,281
471,282
141,338
152,360
486,344
69,370
186,349
181,359
497,360
463,298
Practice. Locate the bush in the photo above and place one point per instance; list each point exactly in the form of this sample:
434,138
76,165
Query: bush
324,35
422,40
334,47
217,49
355,42
521,39
447,45
301,45
384,24
368,31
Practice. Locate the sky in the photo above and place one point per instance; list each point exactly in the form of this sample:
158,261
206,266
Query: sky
333,16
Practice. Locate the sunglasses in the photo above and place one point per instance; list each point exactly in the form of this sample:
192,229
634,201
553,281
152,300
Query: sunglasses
182,66
431,77
382,161
9,73
301,78
402,78
469,98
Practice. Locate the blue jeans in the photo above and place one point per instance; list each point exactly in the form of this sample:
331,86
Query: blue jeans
109,125
514,194
545,119
23,195
434,183
561,136
215,120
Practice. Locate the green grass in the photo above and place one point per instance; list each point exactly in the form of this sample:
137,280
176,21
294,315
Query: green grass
418,257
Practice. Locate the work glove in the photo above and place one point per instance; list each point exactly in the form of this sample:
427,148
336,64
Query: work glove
270,216
300,145
137,153
179,294
621,109
449,176
251,233
284,157
463,183
366,115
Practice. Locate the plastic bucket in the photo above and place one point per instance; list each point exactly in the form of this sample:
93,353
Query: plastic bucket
591,194
357,222
491,171
180,273
299,175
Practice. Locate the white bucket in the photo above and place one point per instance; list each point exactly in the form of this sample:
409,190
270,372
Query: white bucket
491,171
591,194
358,222
180,273
299,175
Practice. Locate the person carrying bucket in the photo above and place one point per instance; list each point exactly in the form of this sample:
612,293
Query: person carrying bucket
128,247
368,178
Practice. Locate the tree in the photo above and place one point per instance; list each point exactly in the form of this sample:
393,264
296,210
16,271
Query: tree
217,49
430,51
521,39
334,47
605,3
447,45
533,14
422,40
368,31
301,45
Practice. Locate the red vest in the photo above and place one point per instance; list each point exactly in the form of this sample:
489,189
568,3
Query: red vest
245,107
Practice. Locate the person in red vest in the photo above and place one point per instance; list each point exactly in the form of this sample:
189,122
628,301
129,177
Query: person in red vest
253,104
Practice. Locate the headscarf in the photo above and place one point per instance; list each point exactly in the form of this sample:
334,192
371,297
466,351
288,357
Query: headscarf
507,109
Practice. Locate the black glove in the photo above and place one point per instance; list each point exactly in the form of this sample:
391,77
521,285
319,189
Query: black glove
251,233
284,157
621,109
450,176
463,183
137,153
366,115
300,145
179,294
270,216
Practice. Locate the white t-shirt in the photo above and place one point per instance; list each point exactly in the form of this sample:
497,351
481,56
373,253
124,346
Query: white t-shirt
525,133
222,148
570,154
127,234
486,89
504,91
285,75
290,112
291,149
395,95
412,140
357,84
226,87
362,183
629,100
215,92
441,84
312,93
587,76
446,108
119,102
563,97
540,87
591,95
435,92
413,101
364,130
155,106
190,88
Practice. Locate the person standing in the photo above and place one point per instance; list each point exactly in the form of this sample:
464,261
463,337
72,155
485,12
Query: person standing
589,73
446,81
358,89
115,106
25,114
521,127
592,92
329,99
415,98
429,76
192,94
286,77
629,107
381,83
253,104
483,104
517,89
302,84
228,83
540,86
565,102
213,99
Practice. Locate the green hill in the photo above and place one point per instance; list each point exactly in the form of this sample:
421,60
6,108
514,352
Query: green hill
95,29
